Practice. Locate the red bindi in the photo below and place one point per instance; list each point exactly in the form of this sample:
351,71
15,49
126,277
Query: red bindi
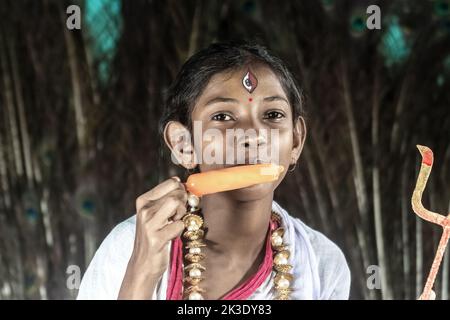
250,99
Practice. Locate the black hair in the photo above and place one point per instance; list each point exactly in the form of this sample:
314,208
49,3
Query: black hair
220,57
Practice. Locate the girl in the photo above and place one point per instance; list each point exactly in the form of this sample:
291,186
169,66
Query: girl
244,253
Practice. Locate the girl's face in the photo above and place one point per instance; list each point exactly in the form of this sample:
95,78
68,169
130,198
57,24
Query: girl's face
226,108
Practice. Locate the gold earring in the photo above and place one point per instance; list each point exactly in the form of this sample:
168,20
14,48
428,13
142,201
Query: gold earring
293,168
192,169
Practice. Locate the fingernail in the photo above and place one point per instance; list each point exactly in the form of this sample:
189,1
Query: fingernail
176,178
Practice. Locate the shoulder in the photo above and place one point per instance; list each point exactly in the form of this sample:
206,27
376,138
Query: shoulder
328,254
119,240
123,231
332,267
104,275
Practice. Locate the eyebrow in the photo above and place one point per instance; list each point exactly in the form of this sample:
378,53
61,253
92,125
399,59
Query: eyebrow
221,99
224,100
275,98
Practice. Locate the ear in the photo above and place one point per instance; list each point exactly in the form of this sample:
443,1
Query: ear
299,136
178,139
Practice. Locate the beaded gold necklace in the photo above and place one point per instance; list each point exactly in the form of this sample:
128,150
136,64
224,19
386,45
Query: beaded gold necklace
194,235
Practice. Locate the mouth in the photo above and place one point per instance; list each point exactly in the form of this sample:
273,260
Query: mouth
257,161
248,162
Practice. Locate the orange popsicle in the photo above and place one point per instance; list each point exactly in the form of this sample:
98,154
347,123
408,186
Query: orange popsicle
232,178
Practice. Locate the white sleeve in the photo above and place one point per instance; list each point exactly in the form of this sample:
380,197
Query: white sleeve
103,278
334,273
342,280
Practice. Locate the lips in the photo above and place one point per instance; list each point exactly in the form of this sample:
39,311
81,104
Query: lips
248,162
256,161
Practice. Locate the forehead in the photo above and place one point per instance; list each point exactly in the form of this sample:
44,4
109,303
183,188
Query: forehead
229,83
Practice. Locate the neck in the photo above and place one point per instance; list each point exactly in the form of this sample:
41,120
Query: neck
236,228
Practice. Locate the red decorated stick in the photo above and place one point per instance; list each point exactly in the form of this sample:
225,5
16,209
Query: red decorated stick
419,209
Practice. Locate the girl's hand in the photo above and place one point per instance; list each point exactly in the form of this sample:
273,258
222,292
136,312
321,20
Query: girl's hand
158,221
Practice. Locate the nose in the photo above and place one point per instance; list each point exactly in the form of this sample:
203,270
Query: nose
252,139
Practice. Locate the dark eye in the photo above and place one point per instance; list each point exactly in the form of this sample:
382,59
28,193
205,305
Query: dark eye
221,117
273,115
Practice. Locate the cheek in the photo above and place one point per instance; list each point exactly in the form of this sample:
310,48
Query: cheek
213,149
285,142
214,137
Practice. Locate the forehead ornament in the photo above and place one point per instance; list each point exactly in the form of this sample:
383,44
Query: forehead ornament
249,81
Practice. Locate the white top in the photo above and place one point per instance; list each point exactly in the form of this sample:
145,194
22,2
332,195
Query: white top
319,267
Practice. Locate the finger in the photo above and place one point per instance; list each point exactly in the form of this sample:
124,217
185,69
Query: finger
181,209
147,212
159,191
179,194
180,213
167,210
171,231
